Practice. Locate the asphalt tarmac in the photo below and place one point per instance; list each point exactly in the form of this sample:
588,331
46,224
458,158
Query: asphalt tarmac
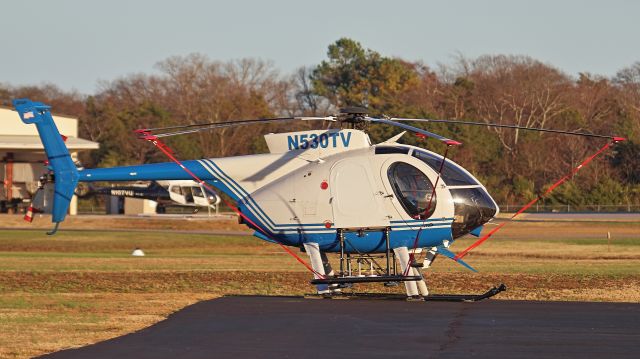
294,327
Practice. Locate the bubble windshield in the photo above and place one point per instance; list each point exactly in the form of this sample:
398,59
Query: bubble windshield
452,174
473,207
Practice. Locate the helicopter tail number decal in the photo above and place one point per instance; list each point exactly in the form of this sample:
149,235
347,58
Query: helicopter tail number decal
314,140
324,141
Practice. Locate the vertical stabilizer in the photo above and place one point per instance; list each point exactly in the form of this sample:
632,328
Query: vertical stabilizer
64,170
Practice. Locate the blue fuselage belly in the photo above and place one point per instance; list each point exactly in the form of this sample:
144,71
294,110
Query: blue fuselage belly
369,242
401,234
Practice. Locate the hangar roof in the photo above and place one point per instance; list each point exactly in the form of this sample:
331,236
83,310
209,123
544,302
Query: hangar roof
16,136
30,143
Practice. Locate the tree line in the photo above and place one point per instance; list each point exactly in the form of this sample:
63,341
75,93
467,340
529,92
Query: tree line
514,165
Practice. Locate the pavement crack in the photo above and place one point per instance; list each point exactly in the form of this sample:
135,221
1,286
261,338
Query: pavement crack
452,334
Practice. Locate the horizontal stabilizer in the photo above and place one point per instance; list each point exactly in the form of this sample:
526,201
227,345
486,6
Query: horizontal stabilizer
447,253
476,231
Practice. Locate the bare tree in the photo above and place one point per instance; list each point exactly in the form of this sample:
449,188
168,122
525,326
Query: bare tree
516,90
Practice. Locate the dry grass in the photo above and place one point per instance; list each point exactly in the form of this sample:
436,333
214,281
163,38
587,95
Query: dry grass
225,222
82,286
38,323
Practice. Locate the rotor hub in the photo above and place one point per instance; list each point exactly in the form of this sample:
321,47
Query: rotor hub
353,115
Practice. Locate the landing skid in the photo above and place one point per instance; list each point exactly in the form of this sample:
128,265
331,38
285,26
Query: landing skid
430,298
363,279
466,297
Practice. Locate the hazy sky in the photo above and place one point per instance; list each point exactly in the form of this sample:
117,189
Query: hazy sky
75,43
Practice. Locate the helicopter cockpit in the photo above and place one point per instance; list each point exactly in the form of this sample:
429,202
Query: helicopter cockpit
473,206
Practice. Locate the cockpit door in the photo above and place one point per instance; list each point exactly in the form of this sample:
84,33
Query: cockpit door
199,196
188,195
411,189
176,195
355,201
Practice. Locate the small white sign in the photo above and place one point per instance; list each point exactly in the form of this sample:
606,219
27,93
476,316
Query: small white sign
138,253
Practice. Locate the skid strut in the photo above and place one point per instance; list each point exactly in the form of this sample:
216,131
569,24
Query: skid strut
381,267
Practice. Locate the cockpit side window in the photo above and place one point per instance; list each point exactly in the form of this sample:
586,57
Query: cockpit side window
197,191
413,189
452,174
187,193
385,150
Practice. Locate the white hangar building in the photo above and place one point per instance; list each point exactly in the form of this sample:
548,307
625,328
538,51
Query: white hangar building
22,156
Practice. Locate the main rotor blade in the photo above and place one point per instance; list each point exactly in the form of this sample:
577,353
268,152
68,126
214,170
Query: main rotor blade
504,126
418,131
186,129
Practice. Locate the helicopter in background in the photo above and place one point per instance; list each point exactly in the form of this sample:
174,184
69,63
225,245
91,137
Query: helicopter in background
322,191
181,193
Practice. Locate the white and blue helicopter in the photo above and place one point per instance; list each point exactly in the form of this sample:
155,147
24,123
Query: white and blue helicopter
323,191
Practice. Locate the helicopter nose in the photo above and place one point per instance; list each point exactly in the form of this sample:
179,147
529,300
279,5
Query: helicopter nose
473,207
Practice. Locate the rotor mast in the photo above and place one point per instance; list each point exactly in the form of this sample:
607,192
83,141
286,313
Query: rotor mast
354,117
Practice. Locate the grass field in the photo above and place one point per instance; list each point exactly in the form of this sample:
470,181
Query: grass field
83,286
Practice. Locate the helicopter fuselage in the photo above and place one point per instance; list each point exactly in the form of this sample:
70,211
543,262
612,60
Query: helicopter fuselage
314,184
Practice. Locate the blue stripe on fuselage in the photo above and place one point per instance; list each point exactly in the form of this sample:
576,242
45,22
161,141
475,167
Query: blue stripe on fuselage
248,202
